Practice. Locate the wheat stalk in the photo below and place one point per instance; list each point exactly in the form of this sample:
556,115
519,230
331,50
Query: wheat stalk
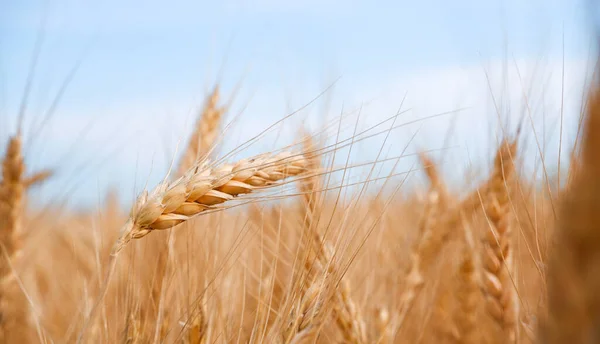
497,253
203,188
205,132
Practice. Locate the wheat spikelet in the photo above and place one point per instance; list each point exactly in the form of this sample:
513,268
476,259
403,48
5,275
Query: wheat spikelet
202,188
497,253
205,133
13,307
574,264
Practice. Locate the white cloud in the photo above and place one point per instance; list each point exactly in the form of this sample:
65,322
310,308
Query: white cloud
141,136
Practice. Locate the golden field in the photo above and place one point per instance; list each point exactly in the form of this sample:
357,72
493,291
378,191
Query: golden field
219,253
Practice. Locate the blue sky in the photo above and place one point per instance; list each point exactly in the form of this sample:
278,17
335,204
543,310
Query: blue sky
146,65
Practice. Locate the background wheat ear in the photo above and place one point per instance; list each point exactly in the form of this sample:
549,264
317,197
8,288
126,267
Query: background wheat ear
574,262
467,293
427,242
14,309
497,253
205,133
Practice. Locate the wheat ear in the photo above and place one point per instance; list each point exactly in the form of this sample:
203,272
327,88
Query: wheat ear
497,253
205,132
346,313
204,188
465,316
13,309
11,197
426,243
305,314
574,262
437,184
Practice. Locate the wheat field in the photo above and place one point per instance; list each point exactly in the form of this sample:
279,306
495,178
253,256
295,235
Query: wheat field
271,249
